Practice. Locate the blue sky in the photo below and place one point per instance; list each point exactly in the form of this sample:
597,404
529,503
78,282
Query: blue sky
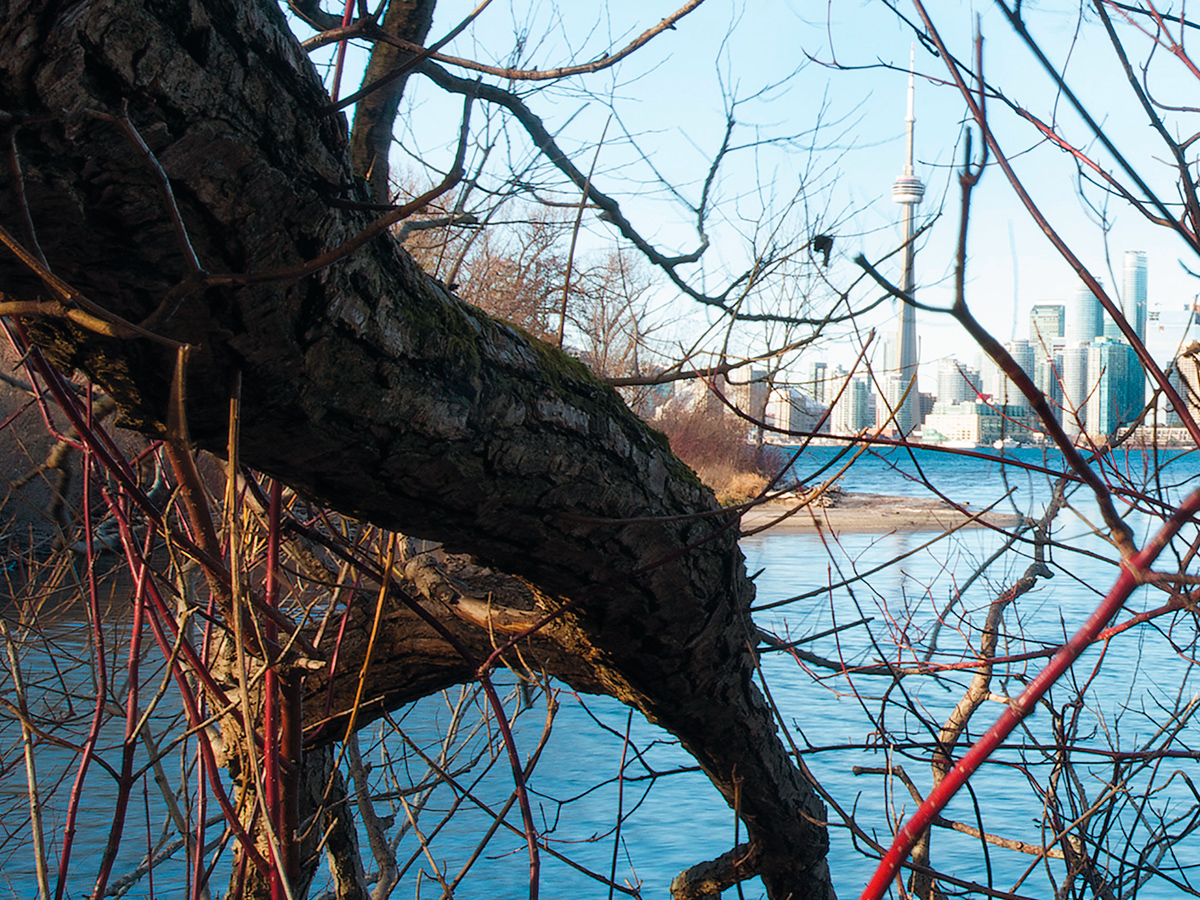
668,105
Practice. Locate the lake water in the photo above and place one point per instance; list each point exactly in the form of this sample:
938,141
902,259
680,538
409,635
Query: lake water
670,817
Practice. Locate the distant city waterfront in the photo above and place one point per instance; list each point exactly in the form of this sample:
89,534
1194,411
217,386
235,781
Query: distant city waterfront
1074,352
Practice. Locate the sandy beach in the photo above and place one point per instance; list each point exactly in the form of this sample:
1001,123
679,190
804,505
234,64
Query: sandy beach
870,513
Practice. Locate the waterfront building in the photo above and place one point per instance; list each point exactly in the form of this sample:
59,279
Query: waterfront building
854,409
926,401
957,383
1133,307
887,404
1180,382
1047,337
1170,328
1114,377
815,388
975,422
1103,383
1188,368
1047,375
794,413
1074,388
996,384
1022,353
747,389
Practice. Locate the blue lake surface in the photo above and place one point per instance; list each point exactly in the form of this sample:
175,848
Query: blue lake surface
671,818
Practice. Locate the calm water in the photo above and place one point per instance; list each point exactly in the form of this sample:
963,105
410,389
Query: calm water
671,817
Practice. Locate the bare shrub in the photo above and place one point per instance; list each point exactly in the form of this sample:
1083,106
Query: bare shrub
714,444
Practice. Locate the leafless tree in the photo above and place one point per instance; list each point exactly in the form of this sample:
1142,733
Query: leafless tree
193,231
188,224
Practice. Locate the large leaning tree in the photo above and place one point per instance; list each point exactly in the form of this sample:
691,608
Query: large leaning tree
177,189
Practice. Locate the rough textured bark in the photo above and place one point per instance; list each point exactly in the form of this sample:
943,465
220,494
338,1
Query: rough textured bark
367,386
375,114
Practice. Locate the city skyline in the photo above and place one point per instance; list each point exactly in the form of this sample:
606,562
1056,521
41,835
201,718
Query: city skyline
1155,311
1074,352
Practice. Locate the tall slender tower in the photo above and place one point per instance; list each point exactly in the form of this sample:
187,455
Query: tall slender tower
908,191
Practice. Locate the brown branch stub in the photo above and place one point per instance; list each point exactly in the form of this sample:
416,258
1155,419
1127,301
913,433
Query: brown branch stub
706,880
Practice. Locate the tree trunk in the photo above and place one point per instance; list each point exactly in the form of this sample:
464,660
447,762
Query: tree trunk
367,386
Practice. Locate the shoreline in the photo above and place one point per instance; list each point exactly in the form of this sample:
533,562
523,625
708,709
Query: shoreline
870,513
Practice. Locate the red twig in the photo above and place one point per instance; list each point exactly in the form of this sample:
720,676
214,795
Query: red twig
272,779
210,767
125,783
101,669
514,759
341,54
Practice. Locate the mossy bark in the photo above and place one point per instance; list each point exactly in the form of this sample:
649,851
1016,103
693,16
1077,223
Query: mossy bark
367,387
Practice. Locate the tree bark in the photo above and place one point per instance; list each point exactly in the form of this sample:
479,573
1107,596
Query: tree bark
367,386
375,114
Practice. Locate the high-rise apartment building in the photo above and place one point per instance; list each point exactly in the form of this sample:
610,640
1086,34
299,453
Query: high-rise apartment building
1133,305
747,390
794,413
1133,297
1186,379
1047,324
854,408
1113,376
1101,379
996,383
1074,388
957,383
1084,322
815,388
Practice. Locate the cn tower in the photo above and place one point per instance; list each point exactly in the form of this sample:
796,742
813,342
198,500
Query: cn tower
908,191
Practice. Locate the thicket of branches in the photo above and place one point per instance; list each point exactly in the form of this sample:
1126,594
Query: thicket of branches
217,625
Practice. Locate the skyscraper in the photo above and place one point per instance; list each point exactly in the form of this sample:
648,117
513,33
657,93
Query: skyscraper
1047,322
1111,381
1074,388
1047,326
855,408
1005,392
1084,320
1133,305
908,191
816,381
1133,297
957,383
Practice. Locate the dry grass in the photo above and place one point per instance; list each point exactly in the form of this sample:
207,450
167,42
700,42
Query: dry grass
736,487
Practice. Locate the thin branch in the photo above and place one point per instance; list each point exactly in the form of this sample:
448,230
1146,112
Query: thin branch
371,32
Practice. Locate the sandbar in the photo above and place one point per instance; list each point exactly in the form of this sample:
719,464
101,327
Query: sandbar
872,513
